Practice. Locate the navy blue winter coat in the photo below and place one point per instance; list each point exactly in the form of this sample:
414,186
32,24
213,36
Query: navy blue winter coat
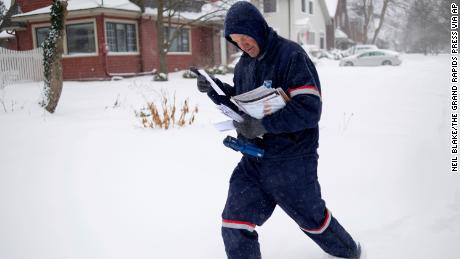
293,130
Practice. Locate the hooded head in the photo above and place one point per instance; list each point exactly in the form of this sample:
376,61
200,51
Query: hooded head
243,18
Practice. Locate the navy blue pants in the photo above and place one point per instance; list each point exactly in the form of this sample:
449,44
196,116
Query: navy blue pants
256,187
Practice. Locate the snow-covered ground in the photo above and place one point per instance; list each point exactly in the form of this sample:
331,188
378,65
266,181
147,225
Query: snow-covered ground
90,182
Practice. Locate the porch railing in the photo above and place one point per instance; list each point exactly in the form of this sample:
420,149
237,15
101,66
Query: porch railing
20,66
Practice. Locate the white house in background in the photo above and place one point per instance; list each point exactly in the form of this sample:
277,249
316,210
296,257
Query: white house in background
302,21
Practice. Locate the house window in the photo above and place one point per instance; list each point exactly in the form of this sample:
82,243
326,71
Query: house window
80,38
121,37
311,38
269,6
181,43
310,7
304,6
40,35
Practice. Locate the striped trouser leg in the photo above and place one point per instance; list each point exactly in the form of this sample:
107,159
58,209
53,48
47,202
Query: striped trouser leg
333,238
295,188
247,206
240,239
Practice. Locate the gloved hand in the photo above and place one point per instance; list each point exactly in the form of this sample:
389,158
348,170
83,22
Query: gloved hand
250,127
202,83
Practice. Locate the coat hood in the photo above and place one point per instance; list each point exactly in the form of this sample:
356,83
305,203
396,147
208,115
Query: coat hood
245,18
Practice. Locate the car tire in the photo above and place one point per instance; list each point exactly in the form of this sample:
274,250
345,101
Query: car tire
386,63
348,64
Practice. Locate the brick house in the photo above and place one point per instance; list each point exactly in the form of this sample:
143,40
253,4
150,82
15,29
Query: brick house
112,37
351,27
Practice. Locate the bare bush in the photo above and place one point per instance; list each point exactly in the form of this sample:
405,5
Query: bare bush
164,115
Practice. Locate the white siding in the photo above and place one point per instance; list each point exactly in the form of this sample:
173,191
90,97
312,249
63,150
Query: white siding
280,20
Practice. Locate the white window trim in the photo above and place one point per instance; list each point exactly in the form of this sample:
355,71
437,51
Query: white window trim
190,42
95,54
65,54
34,32
271,13
111,53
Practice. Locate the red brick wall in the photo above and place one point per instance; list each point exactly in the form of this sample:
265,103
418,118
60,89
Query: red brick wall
203,47
9,43
124,64
87,67
104,64
24,39
29,5
204,38
83,68
148,44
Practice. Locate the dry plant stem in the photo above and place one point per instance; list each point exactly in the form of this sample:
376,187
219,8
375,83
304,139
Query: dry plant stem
166,118
4,107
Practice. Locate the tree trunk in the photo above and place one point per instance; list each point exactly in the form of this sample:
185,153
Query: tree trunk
160,38
368,11
56,78
382,17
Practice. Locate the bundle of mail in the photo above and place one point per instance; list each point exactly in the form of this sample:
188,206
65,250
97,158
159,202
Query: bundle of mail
261,101
257,103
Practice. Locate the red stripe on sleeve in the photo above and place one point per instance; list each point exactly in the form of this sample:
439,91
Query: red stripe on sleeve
303,87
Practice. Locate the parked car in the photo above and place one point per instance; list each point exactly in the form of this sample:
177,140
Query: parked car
359,48
372,58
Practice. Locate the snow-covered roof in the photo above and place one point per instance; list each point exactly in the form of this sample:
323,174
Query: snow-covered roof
75,5
331,6
216,8
5,35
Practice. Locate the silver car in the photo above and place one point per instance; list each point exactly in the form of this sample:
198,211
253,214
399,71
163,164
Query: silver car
372,58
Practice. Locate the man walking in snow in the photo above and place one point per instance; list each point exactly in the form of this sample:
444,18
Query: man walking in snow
287,174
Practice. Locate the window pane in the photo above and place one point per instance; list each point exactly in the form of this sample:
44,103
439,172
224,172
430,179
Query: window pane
310,6
80,38
131,35
304,7
269,6
181,43
111,37
184,41
41,34
121,37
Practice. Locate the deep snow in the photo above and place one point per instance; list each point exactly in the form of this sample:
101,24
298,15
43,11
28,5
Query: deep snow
89,182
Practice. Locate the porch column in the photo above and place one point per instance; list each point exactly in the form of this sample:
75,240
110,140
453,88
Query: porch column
223,48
